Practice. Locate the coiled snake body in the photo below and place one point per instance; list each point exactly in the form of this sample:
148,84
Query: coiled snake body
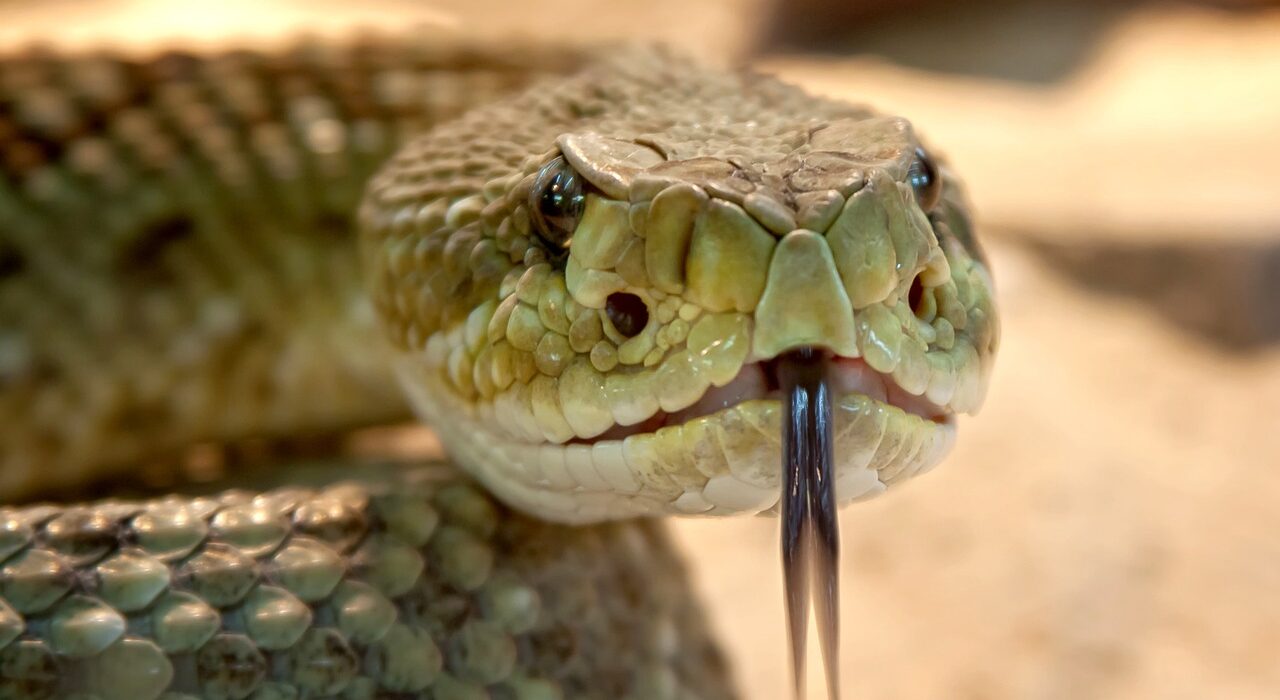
584,286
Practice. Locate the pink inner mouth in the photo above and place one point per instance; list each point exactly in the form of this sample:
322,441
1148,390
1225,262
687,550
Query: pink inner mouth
759,380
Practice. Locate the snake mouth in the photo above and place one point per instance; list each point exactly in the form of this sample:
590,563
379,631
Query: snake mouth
716,455
849,376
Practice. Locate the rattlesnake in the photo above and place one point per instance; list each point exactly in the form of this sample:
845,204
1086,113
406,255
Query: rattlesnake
584,283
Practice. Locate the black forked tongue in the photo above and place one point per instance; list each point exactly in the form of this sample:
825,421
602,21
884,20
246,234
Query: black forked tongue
810,532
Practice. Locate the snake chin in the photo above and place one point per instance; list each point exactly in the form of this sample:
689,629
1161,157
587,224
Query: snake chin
759,381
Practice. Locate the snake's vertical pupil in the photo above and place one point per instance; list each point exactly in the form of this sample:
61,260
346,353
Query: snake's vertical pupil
556,203
923,178
627,312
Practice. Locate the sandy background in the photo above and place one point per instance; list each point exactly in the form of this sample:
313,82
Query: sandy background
1107,527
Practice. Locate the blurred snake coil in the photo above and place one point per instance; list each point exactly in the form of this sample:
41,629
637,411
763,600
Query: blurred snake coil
580,267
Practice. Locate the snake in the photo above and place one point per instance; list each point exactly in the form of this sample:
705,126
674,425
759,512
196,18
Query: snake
616,282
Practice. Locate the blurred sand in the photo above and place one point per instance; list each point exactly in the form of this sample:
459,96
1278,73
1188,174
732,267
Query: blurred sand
708,28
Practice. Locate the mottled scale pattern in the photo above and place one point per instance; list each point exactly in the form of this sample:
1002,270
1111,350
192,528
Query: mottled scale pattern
176,240
409,583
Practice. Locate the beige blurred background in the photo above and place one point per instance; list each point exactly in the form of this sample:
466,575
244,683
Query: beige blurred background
1107,528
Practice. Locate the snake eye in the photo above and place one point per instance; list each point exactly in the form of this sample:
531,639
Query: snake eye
556,203
627,313
924,179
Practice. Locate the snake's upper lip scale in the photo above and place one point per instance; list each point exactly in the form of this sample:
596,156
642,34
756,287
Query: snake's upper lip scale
759,380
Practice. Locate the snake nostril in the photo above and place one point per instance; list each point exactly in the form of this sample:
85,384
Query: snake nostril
627,313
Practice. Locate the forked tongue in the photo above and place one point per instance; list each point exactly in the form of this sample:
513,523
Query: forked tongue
810,532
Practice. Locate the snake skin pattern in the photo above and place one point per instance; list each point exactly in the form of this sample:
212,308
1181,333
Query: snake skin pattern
179,271
176,254
415,584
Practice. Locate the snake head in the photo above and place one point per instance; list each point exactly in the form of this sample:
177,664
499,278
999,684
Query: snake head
588,287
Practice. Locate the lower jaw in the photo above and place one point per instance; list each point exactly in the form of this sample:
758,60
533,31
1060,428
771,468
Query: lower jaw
724,463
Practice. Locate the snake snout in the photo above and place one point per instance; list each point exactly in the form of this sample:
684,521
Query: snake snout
804,304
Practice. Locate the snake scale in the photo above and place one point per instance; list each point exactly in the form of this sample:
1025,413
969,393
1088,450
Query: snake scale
580,267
